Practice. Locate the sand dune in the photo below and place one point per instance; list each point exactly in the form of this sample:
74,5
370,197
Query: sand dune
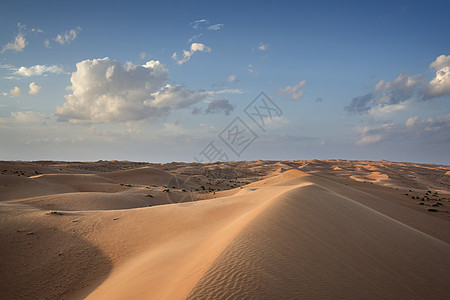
142,176
87,201
291,252
47,184
377,176
289,235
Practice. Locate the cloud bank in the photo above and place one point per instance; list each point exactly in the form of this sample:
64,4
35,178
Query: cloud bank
414,129
388,96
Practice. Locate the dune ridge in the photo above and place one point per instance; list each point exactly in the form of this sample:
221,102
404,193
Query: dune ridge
195,255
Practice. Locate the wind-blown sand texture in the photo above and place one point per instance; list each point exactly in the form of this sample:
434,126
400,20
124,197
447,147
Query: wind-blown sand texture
328,229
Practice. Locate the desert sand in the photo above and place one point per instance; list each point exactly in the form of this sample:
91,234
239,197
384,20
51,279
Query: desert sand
328,229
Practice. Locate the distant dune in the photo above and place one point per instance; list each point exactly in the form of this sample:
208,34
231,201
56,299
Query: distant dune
329,229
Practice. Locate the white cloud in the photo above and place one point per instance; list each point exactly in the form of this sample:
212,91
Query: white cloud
227,91
369,139
429,131
251,69
195,47
400,89
370,135
8,67
38,70
34,88
19,42
393,95
106,91
16,91
294,91
440,62
215,27
68,36
262,47
440,84
411,121
383,110
194,37
30,117
47,43
232,78
37,30
172,97
198,23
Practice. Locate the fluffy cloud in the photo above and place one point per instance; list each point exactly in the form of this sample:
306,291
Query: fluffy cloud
34,88
19,42
441,62
16,91
294,91
106,91
220,105
400,89
440,85
195,47
215,27
411,121
68,36
38,70
387,96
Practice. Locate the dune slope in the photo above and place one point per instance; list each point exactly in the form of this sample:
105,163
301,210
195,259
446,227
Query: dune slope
313,243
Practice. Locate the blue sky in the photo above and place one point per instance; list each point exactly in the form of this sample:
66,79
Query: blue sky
160,81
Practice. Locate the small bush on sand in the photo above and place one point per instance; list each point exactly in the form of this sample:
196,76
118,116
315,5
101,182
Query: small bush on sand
55,213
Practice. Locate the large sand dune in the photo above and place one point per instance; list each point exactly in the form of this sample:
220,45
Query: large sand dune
287,235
